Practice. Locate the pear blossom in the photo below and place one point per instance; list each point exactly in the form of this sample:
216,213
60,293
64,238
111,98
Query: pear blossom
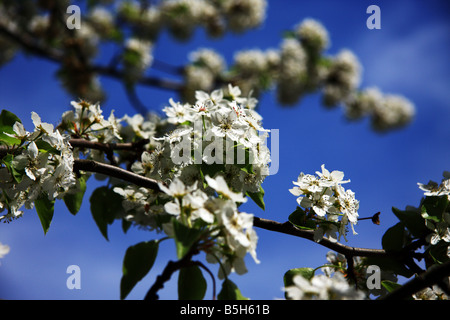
329,200
219,184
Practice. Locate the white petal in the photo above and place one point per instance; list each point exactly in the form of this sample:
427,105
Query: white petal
36,119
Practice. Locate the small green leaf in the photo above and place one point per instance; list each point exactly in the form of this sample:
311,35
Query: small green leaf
191,284
389,285
185,237
125,225
137,262
45,208
288,277
230,291
106,205
8,162
73,200
306,273
394,238
46,147
299,219
258,197
7,120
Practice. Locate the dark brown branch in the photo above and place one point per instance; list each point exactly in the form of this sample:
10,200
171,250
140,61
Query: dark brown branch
171,268
427,279
149,81
289,229
29,44
130,90
106,147
116,172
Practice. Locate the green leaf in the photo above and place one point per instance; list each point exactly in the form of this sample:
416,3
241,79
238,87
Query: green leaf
137,262
230,291
438,252
45,208
434,207
8,162
46,147
306,273
191,284
73,200
7,120
394,238
258,197
125,225
106,205
299,219
389,285
185,237
413,221
211,169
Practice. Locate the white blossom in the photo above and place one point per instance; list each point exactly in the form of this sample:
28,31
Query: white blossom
219,184
322,287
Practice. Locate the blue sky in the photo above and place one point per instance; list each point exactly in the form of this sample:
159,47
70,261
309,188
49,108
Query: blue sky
408,56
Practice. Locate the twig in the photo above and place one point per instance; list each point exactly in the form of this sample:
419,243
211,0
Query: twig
171,268
131,146
161,83
116,172
288,228
134,99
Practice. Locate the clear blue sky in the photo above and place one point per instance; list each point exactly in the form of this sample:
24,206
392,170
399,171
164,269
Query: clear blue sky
408,56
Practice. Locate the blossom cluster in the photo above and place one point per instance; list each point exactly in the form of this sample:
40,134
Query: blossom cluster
439,226
434,189
41,165
132,25
229,233
181,17
297,67
230,228
221,128
387,111
207,156
333,206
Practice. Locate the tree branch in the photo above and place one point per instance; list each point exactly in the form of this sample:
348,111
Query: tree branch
427,279
116,172
149,81
289,229
106,147
28,43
